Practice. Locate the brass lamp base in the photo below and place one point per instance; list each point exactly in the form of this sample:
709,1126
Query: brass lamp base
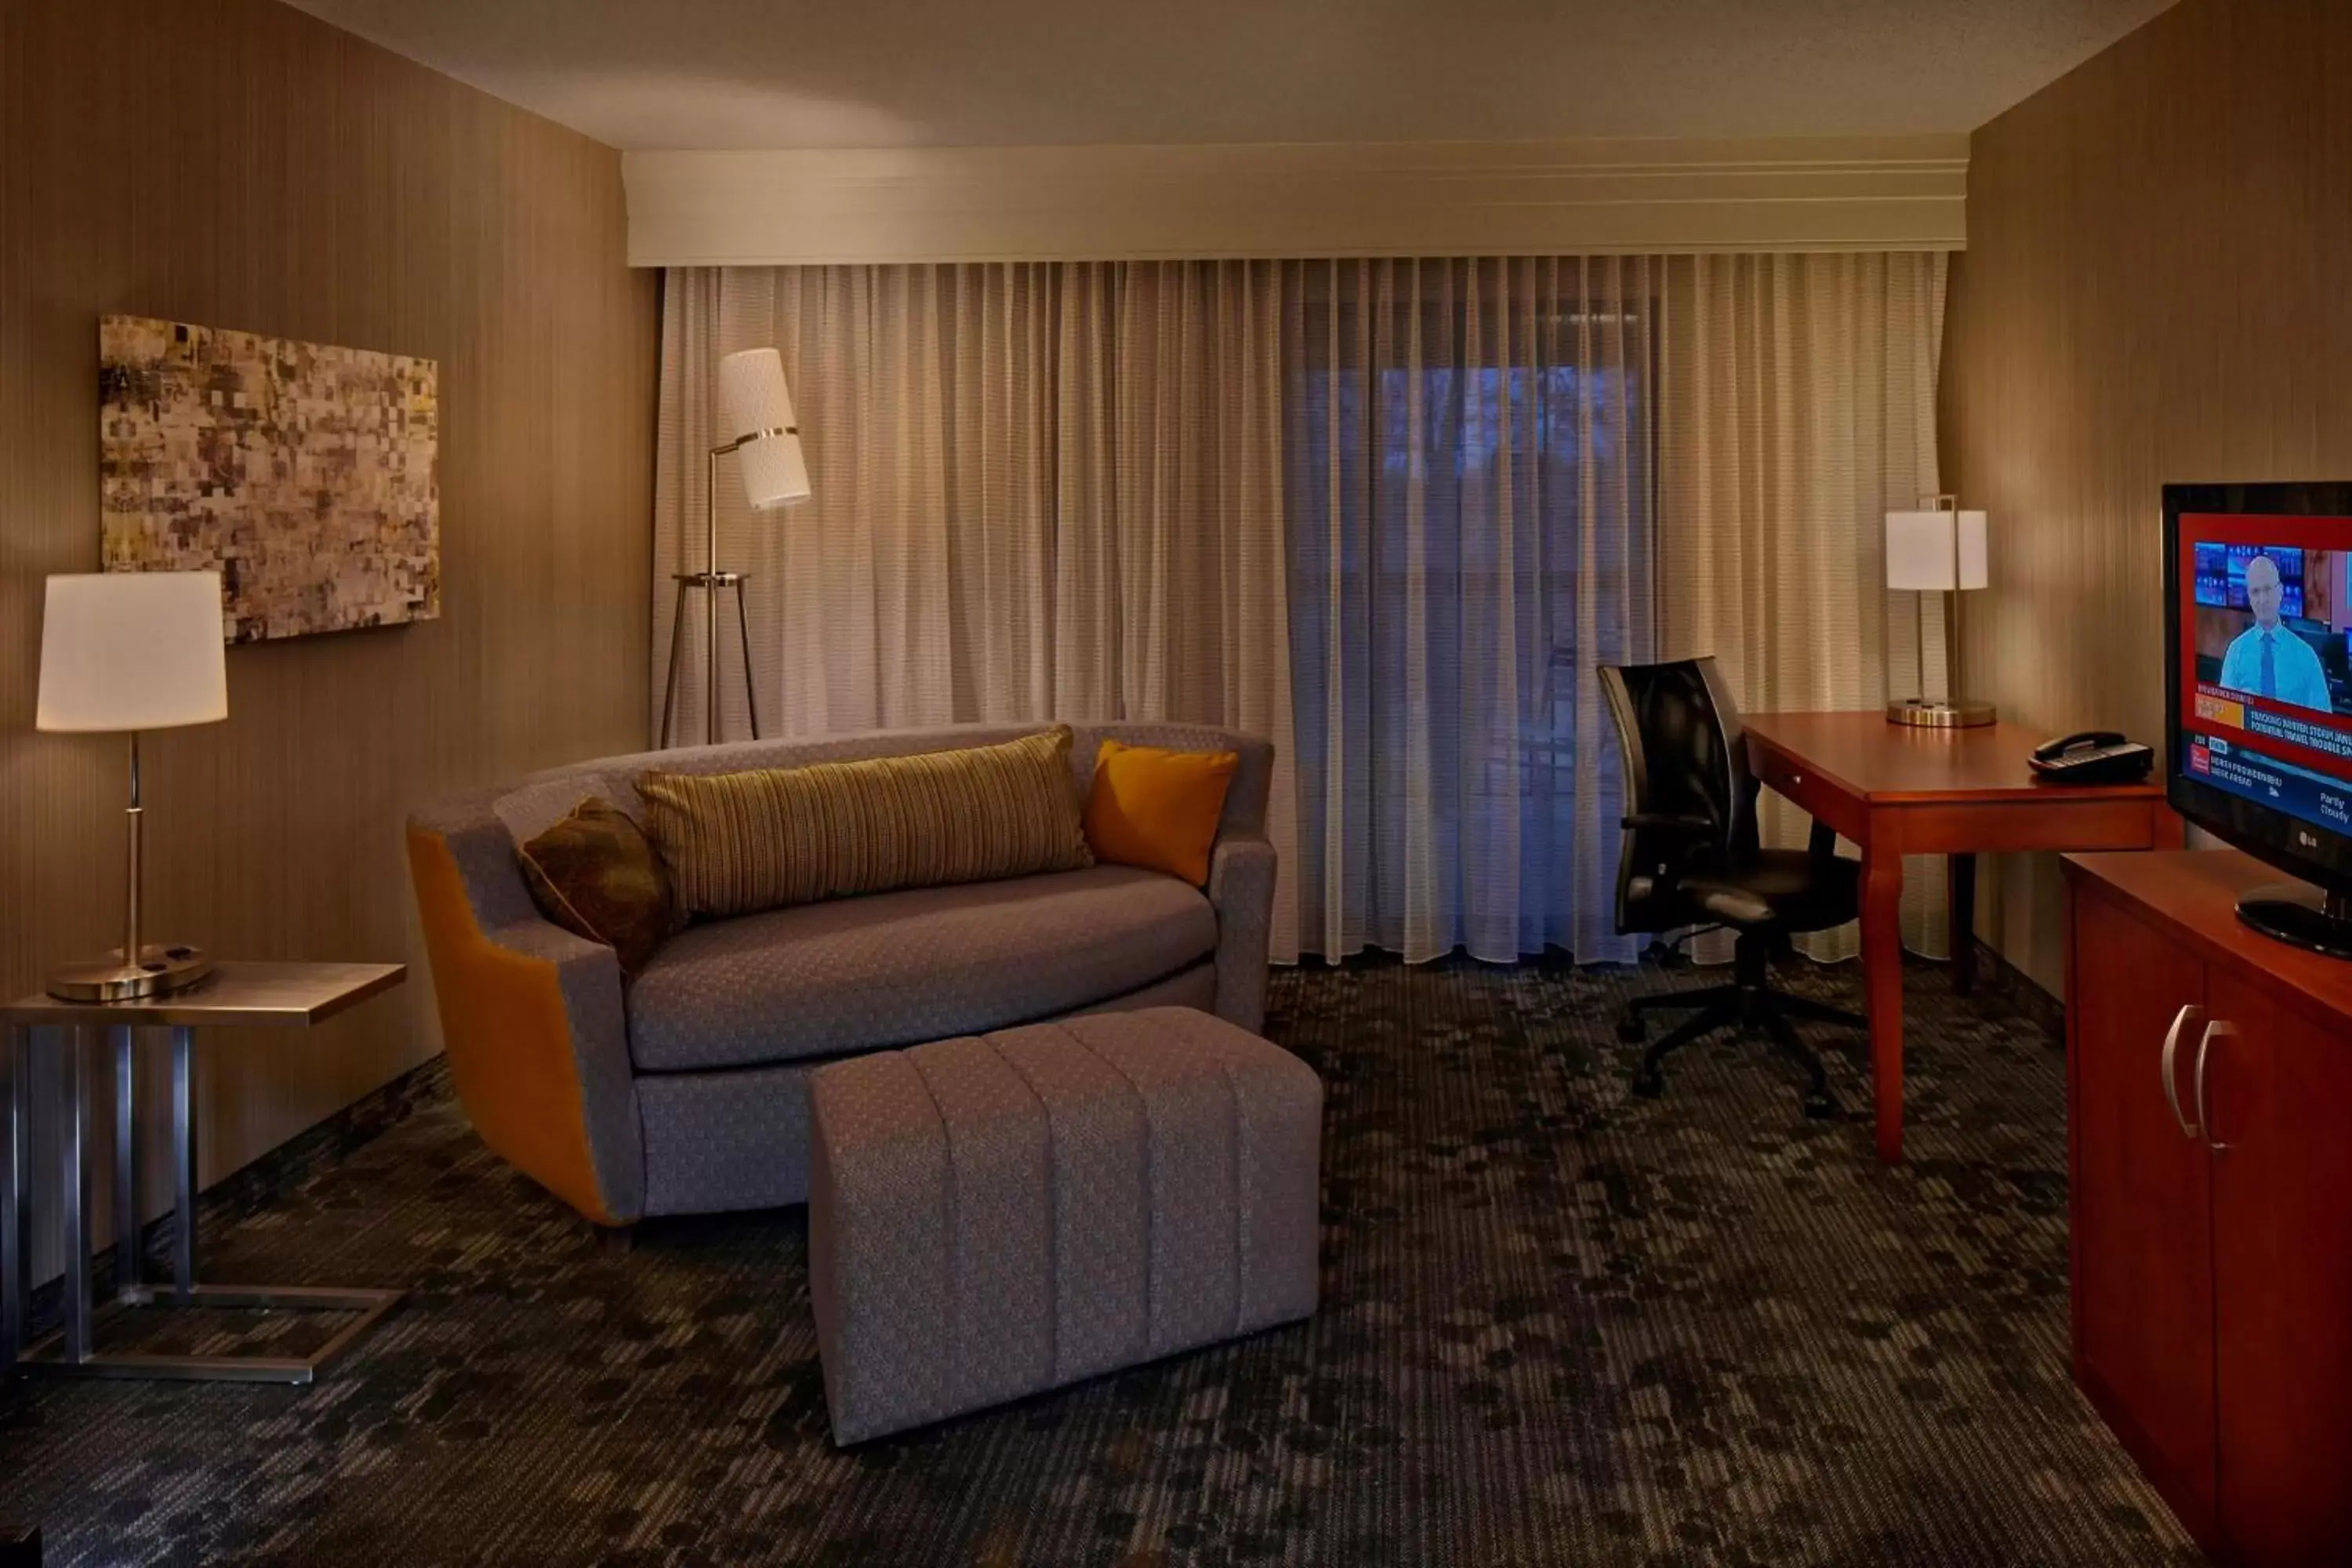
159,972
1921,713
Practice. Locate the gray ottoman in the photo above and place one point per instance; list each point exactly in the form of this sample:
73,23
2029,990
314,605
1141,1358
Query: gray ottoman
994,1216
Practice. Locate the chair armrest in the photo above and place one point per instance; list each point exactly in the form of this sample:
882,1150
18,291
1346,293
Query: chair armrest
1663,822
532,1023
1241,890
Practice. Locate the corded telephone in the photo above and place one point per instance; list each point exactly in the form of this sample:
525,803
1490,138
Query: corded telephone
2093,757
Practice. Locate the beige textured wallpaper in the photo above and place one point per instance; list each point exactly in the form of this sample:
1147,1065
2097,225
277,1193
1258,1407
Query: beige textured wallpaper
2154,291
237,163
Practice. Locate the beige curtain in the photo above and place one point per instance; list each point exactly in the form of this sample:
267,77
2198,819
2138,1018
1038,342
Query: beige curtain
1099,491
1797,404
1041,491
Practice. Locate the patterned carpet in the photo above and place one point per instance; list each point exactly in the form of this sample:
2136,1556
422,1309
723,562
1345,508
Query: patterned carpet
1561,1325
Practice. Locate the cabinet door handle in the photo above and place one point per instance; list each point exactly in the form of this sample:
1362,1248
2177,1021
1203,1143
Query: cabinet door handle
2218,1029
2172,1077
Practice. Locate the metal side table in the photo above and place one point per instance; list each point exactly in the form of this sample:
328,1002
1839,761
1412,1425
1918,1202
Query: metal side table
299,995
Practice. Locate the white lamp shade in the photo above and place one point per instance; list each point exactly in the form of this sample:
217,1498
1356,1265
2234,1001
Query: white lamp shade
1931,551
774,473
132,650
758,411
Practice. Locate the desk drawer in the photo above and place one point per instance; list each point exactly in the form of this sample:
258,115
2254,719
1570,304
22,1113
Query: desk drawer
1784,774
2045,820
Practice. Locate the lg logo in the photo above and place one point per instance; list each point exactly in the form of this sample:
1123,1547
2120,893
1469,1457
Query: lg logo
2305,839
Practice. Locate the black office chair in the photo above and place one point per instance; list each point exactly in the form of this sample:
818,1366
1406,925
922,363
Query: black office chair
1690,857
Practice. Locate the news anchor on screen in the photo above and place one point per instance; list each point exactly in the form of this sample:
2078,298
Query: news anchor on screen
2267,659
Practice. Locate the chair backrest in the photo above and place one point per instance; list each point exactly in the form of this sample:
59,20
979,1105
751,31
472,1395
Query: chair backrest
1678,730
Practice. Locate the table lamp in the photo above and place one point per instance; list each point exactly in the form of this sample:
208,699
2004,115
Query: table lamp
123,652
1937,548
756,409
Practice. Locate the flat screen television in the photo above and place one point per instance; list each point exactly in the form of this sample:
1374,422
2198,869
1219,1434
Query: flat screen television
2258,677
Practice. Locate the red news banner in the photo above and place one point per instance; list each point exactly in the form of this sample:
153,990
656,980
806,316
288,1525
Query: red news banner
2304,736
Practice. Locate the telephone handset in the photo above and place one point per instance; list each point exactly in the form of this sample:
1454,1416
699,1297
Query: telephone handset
2092,756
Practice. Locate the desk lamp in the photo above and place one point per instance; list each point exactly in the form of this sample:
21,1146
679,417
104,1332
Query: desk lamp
1937,548
123,652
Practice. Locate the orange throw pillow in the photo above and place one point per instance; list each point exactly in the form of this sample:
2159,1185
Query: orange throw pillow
1156,808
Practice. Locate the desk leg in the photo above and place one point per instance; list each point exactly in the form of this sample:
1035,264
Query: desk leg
126,1162
73,1353
1962,876
15,1198
184,1165
1881,969
73,1181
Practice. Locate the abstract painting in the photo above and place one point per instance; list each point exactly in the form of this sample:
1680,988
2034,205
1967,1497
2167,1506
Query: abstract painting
303,474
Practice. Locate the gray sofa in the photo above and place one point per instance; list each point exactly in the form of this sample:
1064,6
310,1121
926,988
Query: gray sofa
687,1091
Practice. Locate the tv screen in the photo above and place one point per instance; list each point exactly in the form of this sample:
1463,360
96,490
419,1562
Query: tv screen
2261,633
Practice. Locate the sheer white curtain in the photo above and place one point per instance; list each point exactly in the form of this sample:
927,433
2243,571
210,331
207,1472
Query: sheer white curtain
1797,404
1471,535
1040,491
1389,514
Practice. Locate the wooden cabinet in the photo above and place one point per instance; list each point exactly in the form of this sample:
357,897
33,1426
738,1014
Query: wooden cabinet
2281,1122
2143,1267
2209,1140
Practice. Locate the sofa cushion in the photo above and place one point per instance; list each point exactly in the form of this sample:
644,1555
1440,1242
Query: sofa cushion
1158,808
596,875
894,969
770,837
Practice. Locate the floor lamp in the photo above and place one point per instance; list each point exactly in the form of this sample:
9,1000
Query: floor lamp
757,410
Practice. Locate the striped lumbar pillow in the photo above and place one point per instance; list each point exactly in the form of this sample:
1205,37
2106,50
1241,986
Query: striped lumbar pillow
736,843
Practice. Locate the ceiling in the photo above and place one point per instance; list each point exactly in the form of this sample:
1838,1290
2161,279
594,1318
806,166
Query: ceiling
713,74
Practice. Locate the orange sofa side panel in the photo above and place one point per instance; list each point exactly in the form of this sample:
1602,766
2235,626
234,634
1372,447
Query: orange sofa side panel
508,1034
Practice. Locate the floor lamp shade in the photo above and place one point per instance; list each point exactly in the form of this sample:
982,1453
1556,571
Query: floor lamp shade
758,418
132,650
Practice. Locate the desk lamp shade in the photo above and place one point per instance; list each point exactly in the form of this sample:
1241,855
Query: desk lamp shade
132,650
123,652
1936,551
758,419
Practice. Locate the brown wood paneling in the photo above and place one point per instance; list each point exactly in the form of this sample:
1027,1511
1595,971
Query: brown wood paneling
2151,295
235,163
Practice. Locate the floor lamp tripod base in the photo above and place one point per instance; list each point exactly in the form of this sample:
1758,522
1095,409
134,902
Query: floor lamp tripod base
709,584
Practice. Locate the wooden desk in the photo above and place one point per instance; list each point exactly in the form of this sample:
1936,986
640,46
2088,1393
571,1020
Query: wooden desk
1899,791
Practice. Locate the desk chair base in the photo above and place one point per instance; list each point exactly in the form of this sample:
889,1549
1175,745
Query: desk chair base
1750,1001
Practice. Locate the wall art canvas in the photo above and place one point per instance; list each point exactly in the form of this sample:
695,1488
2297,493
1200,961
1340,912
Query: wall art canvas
304,474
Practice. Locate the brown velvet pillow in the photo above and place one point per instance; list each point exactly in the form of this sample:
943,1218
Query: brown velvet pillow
596,875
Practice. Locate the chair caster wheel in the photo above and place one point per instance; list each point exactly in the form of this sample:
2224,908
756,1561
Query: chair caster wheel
1650,1085
1630,1031
1820,1108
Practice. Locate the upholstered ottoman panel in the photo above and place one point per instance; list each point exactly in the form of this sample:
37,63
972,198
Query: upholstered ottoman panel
995,1215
